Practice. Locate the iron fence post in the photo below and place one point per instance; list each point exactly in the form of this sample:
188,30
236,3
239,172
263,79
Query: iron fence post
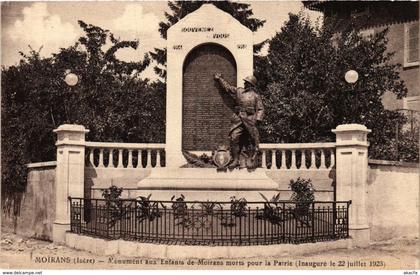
240,227
107,220
211,229
257,222
80,215
157,222
95,216
71,214
283,221
265,231
203,221
164,222
122,227
173,226
313,222
230,231
348,218
249,224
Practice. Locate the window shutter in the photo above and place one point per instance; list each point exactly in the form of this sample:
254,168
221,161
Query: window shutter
413,43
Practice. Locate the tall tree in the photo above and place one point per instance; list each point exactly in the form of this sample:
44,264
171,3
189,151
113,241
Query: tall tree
179,9
109,99
305,91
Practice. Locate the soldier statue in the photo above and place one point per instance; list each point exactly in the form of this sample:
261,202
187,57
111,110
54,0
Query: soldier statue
249,111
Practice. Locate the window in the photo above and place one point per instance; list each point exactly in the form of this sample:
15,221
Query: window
411,44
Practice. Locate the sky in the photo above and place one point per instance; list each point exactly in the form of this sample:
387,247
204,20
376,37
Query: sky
53,25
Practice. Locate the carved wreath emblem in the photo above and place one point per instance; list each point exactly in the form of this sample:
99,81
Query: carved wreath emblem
222,156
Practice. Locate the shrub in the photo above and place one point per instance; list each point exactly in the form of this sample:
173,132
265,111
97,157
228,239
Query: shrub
303,195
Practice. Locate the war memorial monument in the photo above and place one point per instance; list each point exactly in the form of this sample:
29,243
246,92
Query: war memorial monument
213,189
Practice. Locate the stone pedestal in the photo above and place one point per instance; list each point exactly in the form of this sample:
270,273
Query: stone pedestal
207,184
69,174
351,177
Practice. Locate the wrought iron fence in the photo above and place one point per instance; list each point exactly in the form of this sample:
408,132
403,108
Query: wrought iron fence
210,223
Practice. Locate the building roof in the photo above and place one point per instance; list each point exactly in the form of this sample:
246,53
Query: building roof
314,5
368,14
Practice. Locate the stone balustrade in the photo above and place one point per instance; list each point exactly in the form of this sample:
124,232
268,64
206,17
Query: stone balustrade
125,155
303,156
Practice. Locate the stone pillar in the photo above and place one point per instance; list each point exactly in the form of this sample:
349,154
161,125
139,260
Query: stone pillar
351,177
182,39
69,174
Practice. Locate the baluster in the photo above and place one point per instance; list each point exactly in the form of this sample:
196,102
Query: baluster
91,157
101,158
283,159
157,158
120,158
322,166
130,159
273,159
111,158
332,158
139,160
149,159
303,162
264,160
293,161
313,164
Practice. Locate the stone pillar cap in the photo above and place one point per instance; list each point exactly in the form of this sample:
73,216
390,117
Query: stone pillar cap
71,128
351,127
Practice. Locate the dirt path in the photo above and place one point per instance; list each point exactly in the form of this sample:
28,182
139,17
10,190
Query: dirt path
18,252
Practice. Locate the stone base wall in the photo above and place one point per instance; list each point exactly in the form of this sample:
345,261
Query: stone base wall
322,180
97,179
36,206
393,200
145,250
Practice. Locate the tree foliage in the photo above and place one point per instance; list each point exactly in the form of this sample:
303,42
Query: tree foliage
179,9
306,95
110,100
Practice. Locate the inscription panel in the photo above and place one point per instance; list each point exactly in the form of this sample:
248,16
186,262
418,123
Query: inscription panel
207,110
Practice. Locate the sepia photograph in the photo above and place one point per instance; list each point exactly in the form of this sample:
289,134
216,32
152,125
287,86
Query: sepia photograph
209,135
